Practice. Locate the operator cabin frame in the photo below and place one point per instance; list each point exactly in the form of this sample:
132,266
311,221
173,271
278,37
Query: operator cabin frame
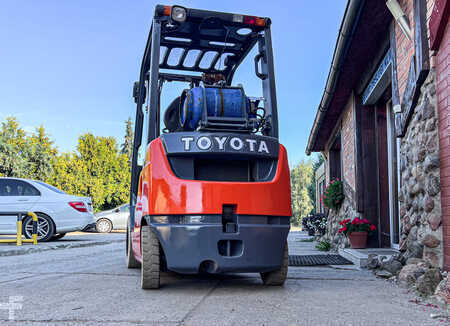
203,31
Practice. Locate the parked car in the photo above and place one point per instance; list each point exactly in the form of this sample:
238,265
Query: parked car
57,212
113,219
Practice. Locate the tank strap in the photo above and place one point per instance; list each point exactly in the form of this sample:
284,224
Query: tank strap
221,110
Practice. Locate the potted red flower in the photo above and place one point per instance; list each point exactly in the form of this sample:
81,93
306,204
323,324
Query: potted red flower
356,230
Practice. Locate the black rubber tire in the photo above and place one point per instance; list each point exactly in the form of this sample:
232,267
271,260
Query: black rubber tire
103,220
51,227
131,261
58,236
277,277
150,267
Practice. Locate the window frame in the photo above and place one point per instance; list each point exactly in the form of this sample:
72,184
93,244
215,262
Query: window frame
38,193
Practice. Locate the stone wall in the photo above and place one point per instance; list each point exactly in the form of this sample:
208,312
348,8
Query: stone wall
420,201
347,210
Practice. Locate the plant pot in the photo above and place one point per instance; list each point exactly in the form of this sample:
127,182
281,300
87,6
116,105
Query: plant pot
358,240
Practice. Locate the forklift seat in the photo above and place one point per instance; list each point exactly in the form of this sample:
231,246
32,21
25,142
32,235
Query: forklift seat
172,115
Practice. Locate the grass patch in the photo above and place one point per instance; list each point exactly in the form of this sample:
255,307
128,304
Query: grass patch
323,246
306,240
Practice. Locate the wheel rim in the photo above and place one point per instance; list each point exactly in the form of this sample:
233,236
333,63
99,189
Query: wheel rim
103,226
42,230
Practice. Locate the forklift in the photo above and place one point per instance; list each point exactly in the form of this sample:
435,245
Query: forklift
210,191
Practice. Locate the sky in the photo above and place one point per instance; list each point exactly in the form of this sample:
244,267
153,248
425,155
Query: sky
70,64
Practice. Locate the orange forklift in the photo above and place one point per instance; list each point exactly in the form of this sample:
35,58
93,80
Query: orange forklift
210,191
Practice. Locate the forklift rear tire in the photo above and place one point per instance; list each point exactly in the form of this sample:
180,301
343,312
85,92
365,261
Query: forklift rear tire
277,277
150,267
130,259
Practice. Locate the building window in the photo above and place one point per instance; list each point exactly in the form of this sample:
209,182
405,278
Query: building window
335,159
321,209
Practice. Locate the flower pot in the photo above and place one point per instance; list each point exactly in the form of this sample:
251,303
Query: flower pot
358,240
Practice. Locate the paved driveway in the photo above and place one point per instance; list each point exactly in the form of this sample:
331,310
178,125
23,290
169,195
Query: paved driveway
91,286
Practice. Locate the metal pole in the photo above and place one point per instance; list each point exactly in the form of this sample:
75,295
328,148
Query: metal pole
153,126
19,229
35,226
18,240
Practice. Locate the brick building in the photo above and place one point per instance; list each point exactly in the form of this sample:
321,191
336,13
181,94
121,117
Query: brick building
440,43
320,178
383,126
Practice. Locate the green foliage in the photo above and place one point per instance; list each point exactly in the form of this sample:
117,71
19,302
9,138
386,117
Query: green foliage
127,145
307,240
14,150
96,169
323,246
42,155
301,176
333,195
25,156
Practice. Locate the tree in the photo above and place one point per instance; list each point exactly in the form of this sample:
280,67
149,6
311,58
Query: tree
97,169
42,155
127,146
301,176
14,150
312,186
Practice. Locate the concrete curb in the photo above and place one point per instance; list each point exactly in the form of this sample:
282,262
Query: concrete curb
32,250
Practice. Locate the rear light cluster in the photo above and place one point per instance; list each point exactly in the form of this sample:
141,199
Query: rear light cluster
179,14
176,13
79,206
249,20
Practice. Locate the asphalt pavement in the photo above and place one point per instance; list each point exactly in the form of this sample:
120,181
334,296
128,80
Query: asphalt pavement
90,285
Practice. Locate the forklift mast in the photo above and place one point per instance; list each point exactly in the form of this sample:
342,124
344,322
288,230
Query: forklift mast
196,34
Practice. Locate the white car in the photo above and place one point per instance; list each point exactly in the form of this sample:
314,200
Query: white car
113,219
57,212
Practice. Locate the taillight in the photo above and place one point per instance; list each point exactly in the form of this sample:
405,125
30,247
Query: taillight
167,10
252,20
79,206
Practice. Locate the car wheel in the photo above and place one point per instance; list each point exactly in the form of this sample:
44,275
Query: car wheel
58,236
45,231
150,269
277,277
130,259
103,225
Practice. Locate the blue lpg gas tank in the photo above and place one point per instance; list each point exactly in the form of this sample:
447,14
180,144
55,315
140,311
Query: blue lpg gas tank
220,102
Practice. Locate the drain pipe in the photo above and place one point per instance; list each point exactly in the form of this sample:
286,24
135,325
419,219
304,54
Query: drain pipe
346,32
